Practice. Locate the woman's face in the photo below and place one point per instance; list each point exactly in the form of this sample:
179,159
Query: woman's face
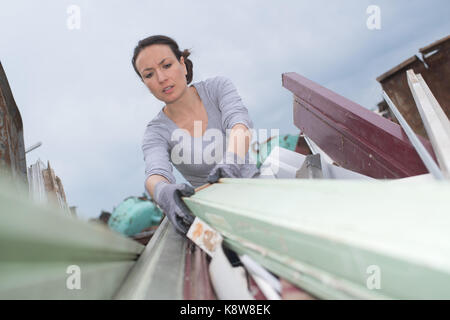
159,69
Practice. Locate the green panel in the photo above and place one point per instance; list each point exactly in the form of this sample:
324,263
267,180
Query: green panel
42,280
325,234
38,243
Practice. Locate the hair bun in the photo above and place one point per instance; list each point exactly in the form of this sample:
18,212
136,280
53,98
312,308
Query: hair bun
185,53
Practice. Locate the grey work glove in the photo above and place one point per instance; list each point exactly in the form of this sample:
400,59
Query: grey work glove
232,166
168,197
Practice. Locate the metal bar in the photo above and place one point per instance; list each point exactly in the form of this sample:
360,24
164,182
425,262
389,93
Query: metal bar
256,269
434,119
159,272
311,168
354,137
34,146
315,234
269,292
423,153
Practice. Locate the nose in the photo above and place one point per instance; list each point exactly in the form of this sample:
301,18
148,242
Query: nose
161,75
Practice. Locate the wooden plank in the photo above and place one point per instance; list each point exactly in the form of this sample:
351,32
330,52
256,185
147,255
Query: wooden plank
354,137
434,103
435,121
324,235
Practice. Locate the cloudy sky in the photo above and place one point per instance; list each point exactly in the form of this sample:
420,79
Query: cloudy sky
77,91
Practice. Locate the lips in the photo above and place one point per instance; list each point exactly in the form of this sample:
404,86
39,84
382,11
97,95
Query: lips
168,89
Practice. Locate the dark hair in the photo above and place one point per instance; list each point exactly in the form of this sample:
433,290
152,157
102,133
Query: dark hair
159,39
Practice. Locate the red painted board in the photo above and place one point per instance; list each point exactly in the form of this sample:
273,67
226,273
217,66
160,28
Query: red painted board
354,137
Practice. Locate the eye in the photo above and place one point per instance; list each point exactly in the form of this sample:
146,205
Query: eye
148,76
167,66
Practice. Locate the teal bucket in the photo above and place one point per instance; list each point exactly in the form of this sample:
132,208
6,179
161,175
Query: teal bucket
133,215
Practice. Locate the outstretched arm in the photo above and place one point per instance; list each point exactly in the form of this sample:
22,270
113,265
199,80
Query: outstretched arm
233,164
239,140
160,182
151,183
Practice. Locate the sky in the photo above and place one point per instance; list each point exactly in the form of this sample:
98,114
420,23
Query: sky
79,95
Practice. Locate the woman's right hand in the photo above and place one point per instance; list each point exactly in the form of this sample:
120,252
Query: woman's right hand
168,197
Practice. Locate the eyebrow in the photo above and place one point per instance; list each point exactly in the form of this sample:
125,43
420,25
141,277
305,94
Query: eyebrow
162,61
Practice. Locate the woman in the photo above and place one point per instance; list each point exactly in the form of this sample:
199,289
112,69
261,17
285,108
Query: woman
181,134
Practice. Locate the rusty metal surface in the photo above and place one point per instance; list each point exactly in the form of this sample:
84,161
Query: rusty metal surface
436,73
354,137
197,283
12,150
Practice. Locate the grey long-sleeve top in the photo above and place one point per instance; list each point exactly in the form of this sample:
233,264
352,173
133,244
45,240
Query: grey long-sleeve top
163,145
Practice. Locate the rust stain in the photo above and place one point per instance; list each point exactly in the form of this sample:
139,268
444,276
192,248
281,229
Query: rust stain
202,187
209,240
12,150
197,231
